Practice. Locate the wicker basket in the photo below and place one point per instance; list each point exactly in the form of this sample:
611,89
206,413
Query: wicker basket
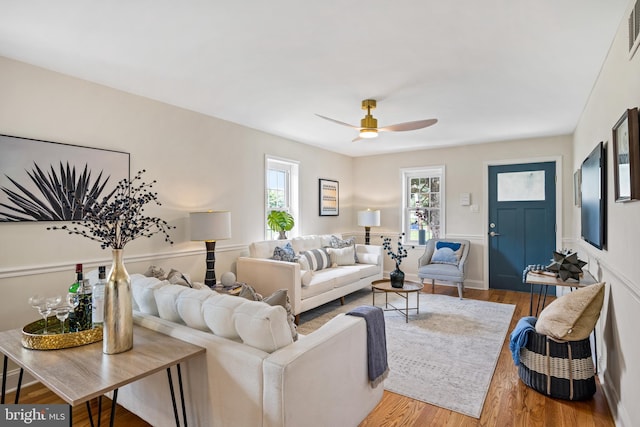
562,370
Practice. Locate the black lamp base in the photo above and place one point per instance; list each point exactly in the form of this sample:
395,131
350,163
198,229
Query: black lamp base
367,231
210,276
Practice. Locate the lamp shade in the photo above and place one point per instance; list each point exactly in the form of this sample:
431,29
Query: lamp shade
369,218
210,225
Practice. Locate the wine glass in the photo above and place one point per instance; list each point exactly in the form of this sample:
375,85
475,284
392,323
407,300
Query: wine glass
62,312
40,303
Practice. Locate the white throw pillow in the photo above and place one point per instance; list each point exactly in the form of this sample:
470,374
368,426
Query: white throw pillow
166,298
218,314
343,256
262,326
306,276
368,258
189,305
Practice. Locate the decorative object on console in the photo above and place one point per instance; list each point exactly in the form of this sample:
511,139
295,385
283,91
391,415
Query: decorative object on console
209,227
396,276
280,221
115,221
228,279
566,265
368,219
626,157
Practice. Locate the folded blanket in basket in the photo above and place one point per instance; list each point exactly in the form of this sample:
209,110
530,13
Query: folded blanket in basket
518,338
376,342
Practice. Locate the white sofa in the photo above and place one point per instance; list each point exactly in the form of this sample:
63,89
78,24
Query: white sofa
319,380
308,289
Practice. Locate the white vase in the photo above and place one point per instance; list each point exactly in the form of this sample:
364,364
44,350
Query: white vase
118,311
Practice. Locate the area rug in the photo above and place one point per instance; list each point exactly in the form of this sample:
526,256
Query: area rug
446,355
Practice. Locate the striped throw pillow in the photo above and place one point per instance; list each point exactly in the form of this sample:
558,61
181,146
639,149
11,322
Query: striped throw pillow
318,259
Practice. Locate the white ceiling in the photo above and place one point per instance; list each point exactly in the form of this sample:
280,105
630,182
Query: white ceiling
489,70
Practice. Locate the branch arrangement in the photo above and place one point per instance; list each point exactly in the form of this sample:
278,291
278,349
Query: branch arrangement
397,256
119,217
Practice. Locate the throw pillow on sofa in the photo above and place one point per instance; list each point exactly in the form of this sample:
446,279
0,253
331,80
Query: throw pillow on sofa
343,256
284,253
338,243
142,290
573,316
318,259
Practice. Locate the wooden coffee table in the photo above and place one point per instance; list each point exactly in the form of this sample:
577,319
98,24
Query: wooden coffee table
384,285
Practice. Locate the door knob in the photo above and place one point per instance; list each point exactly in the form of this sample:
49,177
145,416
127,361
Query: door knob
494,234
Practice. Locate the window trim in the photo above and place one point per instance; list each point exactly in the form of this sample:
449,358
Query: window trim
405,175
294,192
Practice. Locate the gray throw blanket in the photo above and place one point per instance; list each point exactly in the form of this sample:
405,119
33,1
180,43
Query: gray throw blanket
376,342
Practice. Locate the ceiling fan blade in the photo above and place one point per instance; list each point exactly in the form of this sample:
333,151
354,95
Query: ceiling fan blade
356,139
400,127
338,122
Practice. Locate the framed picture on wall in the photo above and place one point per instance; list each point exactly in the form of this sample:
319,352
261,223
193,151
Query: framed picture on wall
626,157
329,197
50,181
577,182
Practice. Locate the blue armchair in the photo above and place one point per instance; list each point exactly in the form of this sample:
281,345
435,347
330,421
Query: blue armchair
450,271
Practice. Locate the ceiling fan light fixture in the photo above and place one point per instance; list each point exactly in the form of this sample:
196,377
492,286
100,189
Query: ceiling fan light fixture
368,133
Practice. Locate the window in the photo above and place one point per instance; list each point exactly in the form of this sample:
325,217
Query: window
423,192
281,192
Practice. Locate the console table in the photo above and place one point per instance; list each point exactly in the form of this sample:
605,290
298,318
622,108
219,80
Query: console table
546,280
80,374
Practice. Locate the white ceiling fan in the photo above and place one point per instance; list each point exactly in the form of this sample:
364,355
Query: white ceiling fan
369,125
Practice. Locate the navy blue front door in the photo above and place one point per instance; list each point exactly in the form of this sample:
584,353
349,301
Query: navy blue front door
522,221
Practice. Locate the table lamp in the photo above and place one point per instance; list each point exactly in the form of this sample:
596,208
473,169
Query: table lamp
368,219
209,227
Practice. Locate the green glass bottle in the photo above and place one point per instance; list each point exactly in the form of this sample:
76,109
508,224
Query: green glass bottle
73,289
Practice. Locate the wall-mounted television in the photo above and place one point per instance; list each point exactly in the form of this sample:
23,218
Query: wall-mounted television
594,197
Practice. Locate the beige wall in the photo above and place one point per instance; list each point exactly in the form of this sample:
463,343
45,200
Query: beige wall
465,172
199,162
617,89
202,162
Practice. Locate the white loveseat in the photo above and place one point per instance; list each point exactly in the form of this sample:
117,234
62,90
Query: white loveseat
257,375
308,289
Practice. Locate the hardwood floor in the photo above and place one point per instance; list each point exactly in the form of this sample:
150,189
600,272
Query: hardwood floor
509,402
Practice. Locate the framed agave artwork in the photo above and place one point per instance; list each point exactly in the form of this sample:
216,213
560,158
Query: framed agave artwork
50,181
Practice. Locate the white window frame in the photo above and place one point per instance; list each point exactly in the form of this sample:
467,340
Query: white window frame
291,167
420,172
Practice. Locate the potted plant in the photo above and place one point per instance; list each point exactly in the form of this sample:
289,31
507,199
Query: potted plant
280,221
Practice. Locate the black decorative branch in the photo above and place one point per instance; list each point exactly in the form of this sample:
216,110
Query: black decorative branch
398,255
118,218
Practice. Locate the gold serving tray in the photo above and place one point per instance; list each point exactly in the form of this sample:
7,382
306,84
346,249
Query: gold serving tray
33,337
